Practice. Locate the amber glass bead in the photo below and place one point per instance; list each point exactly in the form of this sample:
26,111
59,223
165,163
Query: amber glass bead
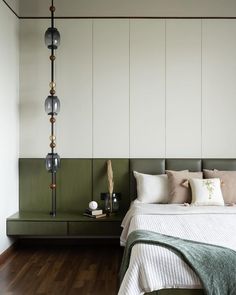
52,120
52,57
52,92
52,8
52,185
52,145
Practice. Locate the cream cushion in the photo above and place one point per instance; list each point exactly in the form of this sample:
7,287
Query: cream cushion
206,192
151,188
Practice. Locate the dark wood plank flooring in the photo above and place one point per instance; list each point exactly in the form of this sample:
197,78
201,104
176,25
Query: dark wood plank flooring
62,270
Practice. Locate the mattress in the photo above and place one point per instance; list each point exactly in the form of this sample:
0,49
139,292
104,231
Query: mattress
153,267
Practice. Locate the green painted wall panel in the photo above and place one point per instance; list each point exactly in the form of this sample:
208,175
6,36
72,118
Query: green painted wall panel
78,182
74,185
34,185
121,179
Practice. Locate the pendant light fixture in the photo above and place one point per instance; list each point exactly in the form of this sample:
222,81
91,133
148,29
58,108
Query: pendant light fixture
52,107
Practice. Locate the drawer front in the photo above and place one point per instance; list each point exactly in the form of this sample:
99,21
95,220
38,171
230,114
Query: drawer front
94,228
36,228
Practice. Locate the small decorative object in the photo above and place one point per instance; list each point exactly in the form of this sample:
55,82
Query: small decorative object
93,205
115,202
111,199
52,107
95,216
110,185
94,213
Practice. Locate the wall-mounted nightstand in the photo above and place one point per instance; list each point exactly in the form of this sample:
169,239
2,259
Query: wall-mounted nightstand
35,224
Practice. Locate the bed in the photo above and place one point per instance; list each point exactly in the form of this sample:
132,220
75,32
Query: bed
154,269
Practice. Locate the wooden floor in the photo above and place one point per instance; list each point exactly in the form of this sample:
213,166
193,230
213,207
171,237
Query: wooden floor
62,270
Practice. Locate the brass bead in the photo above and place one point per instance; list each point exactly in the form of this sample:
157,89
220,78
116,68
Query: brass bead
52,186
52,145
52,85
52,8
52,120
52,57
52,92
52,137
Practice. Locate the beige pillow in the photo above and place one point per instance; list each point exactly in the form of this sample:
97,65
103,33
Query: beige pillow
206,192
228,183
179,191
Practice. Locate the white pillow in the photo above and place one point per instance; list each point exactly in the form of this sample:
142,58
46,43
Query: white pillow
152,188
206,192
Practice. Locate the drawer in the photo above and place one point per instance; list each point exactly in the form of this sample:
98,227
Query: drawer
36,228
94,228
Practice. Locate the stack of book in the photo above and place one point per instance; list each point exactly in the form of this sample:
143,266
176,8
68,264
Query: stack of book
97,213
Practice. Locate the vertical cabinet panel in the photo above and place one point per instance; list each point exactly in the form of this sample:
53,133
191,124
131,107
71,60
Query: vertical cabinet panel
219,88
183,88
74,80
147,88
111,88
34,81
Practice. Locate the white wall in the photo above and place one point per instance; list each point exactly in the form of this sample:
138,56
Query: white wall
102,8
9,100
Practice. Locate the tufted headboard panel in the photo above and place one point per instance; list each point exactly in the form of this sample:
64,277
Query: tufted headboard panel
219,164
184,164
147,166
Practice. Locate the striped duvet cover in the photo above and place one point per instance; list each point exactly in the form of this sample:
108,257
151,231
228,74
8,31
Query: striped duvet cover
154,268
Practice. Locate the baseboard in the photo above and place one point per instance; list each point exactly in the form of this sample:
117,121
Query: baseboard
7,253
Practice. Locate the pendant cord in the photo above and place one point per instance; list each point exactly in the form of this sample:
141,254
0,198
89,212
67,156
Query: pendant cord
52,91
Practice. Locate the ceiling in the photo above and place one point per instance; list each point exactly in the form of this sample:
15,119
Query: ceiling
126,8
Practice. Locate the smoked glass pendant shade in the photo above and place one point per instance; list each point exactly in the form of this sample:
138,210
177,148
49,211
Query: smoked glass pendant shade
52,38
52,105
52,162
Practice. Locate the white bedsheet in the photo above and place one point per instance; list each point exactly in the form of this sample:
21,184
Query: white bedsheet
153,267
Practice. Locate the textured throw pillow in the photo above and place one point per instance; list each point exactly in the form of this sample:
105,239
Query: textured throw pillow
206,192
179,191
228,183
151,188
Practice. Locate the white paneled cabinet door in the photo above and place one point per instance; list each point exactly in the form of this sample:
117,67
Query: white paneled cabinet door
111,88
147,88
34,80
183,88
74,80
219,88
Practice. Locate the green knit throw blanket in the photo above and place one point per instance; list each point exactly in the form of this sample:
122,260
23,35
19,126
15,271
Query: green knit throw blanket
214,265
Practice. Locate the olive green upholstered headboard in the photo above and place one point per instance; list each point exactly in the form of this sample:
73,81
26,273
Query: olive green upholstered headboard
158,166
82,180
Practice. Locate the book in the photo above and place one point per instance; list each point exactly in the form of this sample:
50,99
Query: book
94,212
95,216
